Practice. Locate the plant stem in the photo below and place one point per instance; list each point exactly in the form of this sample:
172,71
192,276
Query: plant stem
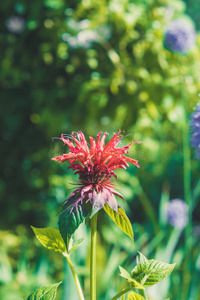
188,199
142,293
121,293
187,181
93,258
75,276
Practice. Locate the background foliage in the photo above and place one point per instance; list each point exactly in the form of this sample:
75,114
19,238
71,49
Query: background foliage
95,66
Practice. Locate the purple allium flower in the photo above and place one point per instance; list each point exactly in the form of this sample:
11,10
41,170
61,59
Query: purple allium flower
180,36
177,213
15,24
195,130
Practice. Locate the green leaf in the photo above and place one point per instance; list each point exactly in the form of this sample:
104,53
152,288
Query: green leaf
134,296
128,277
143,263
50,238
75,245
150,272
73,213
44,293
121,220
141,271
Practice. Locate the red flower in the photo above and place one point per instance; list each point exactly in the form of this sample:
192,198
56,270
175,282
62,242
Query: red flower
95,166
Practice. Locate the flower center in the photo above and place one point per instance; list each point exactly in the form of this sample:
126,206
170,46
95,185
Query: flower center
95,175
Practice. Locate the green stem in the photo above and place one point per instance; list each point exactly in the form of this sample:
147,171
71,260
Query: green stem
121,293
188,199
142,293
93,258
187,181
75,276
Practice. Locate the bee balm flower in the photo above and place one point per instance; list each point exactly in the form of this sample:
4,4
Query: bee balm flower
95,165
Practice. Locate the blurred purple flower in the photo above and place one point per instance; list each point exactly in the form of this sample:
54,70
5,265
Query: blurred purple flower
195,130
177,213
15,24
180,36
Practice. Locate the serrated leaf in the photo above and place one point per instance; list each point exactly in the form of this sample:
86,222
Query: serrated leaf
127,276
44,293
160,271
150,272
50,238
143,263
121,220
73,212
75,245
141,271
134,296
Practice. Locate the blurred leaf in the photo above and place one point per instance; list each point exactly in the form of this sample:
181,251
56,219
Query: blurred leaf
54,4
44,293
121,220
50,238
134,296
128,277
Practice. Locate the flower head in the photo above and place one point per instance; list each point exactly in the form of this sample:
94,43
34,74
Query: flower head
195,130
180,36
177,213
95,165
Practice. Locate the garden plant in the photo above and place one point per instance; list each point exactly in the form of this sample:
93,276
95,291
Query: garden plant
96,167
99,66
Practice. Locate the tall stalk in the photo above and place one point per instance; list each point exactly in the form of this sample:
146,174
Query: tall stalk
75,276
188,199
93,258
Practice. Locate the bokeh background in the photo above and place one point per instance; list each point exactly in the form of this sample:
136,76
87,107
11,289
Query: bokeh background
99,66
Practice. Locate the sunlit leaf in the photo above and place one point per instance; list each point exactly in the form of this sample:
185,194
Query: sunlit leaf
134,296
50,238
150,272
44,293
127,276
121,220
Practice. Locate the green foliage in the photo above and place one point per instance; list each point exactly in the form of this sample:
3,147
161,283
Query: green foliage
71,216
150,272
134,296
145,274
73,245
50,238
121,220
125,80
44,293
133,282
